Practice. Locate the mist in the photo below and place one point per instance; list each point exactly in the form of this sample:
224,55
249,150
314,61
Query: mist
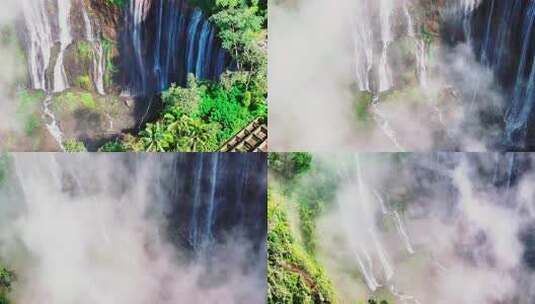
12,70
427,228
130,229
363,76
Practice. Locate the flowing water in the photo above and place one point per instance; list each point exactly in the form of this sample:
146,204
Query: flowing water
98,54
501,34
129,218
169,40
163,42
443,221
374,33
45,31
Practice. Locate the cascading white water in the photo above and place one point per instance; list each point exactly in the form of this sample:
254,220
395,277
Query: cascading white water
139,10
397,219
368,247
98,54
51,122
402,231
40,41
420,46
379,24
381,119
194,227
385,73
366,54
196,19
364,49
374,25
65,39
45,31
469,5
213,188
421,62
205,34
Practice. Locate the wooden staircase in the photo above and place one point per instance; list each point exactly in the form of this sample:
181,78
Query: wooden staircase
252,138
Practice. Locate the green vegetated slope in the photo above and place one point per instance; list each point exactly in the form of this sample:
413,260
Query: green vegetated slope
7,277
294,274
299,193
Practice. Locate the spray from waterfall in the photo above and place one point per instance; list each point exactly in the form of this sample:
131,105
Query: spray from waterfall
135,205
445,228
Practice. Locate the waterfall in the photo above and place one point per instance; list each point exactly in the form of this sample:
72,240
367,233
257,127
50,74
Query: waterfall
384,70
365,241
195,240
211,203
364,48
169,40
205,34
40,41
375,30
402,232
98,54
41,38
383,123
43,33
469,5
51,122
137,204
521,107
501,34
190,44
65,39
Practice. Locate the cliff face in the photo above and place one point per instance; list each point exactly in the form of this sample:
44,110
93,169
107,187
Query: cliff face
109,18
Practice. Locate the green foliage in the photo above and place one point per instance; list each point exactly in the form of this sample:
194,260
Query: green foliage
32,123
427,36
373,301
28,110
110,69
83,82
200,117
187,99
113,146
72,145
293,275
7,277
72,100
118,3
85,50
87,100
314,195
240,27
313,191
290,165
226,108
204,115
5,162
362,103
